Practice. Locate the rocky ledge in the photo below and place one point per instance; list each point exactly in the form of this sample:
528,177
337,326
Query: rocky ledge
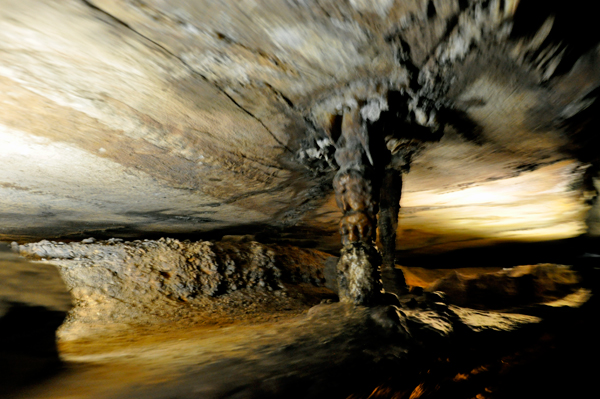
157,281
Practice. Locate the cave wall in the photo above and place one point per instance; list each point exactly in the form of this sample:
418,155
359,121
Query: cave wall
127,118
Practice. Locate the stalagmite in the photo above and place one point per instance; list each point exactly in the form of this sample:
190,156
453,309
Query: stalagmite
368,188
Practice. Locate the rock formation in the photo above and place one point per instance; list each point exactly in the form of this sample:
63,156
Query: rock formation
127,119
156,282
377,130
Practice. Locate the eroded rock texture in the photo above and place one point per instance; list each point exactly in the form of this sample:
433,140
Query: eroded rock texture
356,192
359,278
148,311
130,118
149,282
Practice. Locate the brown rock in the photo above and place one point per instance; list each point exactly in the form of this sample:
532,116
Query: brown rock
521,285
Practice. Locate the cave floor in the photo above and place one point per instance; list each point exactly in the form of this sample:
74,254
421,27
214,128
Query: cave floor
205,361
125,361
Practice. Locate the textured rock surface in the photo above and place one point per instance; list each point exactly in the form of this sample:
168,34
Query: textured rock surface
359,280
125,118
509,288
33,303
144,118
149,282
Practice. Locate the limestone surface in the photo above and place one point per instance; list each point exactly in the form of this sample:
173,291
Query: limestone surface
130,118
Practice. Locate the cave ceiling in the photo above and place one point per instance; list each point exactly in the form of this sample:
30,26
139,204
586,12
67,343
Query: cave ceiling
133,118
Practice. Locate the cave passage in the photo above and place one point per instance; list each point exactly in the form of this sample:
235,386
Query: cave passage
191,167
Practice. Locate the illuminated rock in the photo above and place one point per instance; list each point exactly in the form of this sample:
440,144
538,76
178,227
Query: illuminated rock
187,117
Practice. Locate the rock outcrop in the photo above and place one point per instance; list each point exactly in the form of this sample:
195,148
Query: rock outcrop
155,306
149,282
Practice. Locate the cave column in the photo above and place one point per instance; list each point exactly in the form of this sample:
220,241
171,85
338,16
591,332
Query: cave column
357,193
389,207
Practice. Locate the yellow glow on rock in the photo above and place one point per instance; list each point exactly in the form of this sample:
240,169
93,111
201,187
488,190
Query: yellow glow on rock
533,206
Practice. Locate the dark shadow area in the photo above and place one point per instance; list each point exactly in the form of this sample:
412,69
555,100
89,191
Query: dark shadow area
575,26
558,359
28,351
571,251
34,302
